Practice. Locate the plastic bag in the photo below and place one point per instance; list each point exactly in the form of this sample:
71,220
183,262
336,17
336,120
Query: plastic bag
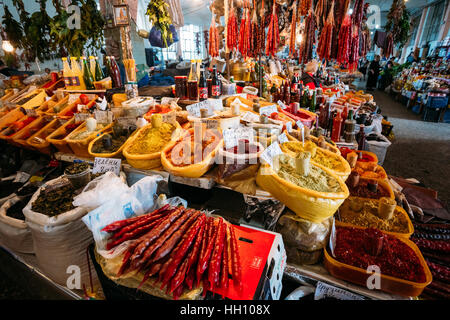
14,233
100,190
156,39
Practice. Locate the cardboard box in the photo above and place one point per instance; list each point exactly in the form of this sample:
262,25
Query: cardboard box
263,260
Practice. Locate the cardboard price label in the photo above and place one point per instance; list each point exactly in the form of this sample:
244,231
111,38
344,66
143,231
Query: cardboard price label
271,152
194,109
268,110
103,117
289,126
31,112
168,101
169,117
281,104
231,137
283,138
250,117
102,165
80,117
215,104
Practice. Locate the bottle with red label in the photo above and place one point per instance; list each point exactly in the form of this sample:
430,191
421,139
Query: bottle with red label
202,86
294,84
344,117
216,91
336,131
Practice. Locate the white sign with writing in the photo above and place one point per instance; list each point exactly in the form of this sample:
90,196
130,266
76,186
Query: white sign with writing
167,101
31,112
271,152
80,117
289,126
194,109
281,104
232,136
268,110
102,165
215,104
103,117
250,117
282,138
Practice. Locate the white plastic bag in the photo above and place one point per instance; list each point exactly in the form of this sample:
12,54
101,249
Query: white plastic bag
60,243
100,190
14,233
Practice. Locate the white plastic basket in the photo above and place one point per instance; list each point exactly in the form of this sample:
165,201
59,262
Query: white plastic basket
379,148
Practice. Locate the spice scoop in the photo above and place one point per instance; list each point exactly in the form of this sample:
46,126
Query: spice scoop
352,158
372,186
303,163
373,243
353,179
386,208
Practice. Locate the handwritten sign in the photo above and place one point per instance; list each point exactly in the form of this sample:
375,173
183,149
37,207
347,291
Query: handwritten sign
168,101
282,138
215,104
103,117
268,110
80,117
271,152
232,136
102,165
194,109
250,117
211,123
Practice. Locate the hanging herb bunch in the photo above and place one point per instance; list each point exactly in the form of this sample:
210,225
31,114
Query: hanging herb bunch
74,40
398,23
158,14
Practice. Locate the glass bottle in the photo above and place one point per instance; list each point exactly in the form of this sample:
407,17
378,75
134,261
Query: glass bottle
361,138
216,90
98,71
117,80
87,76
202,86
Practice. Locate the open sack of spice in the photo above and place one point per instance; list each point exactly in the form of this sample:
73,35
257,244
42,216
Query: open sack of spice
117,203
60,238
14,232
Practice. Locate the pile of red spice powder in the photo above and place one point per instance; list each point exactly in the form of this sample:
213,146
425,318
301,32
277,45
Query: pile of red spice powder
394,259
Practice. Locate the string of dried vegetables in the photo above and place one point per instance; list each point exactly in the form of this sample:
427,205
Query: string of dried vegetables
341,9
320,12
357,14
310,37
273,35
253,43
344,42
213,39
232,30
261,32
305,6
292,38
354,49
245,32
326,36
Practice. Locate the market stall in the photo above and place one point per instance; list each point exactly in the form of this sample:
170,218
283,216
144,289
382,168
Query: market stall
265,170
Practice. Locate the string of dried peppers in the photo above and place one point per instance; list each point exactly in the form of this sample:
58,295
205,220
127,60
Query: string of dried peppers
292,38
326,36
273,34
213,39
232,30
345,37
180,246
309,38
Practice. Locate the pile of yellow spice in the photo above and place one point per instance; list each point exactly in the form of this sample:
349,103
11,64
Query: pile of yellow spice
151,140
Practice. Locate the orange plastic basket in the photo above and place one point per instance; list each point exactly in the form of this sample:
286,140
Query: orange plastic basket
388,283
57,137
38,140
21,137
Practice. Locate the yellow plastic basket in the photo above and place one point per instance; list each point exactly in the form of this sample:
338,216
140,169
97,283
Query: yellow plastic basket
80,147
117,154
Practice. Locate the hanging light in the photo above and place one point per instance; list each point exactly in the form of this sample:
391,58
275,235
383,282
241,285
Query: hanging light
7,46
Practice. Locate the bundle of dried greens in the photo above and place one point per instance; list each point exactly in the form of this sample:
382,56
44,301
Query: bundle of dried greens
326,36
273,35
344,43
54,202
340,11
158,14
232,30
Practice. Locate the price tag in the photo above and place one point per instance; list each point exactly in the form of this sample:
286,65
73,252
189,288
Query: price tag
73,97
211,124
102,165
271,152
81,107
250,117
281,104
126,121
103,117
31,112
232,136
282,138
299,124
268,110
80,117
215,104
194,109
169,117
22,177
64,121
167,101
324,291
289,126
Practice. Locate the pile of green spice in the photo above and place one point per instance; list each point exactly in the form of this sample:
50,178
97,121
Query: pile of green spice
102,146
77,168
54,202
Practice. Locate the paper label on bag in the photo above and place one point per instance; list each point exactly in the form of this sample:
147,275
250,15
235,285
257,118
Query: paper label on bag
215,104
103,117
231,137
281,104
22,177
80,117
126,122
167,101
268,110
73,97
324,291
169,117
102,165
289,126
282,138
250,117
31,112
211,124
194,109
271,152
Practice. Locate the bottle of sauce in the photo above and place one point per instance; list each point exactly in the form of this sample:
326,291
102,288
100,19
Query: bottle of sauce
215,85
202,86
77,76
115,73
67,74
87,76
281,93
361,138
287,93
344,118
193,70
273,93
98,71
336,131
294,84
324,115
193,82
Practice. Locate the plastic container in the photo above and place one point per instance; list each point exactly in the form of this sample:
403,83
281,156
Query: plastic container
378,147
308,204
406,235
79,180
38,140
195,170
145,161
80,147
57,137
388,283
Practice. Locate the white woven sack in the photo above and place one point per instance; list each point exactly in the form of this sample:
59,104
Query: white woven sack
14,233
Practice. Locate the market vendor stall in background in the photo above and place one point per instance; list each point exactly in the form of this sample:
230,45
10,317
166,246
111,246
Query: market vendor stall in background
260,170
